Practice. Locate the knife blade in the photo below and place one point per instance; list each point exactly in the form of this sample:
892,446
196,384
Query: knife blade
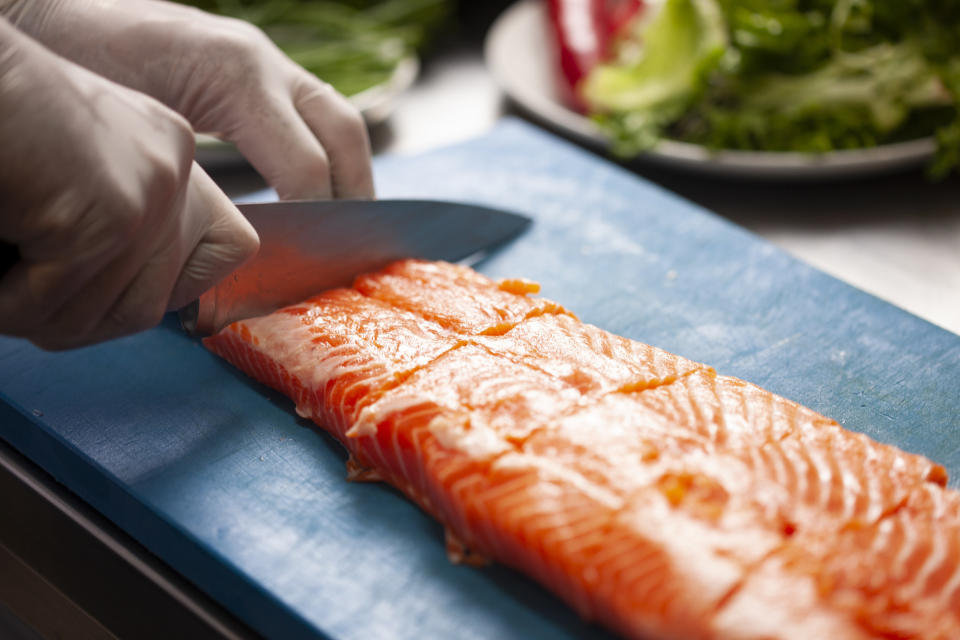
309,246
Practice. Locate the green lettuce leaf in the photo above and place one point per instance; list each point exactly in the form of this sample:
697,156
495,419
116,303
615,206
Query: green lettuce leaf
651,85
787,75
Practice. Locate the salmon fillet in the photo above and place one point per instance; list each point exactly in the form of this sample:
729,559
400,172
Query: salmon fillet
653,495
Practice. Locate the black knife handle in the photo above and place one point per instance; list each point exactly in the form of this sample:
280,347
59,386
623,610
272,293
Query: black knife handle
189,316
9,256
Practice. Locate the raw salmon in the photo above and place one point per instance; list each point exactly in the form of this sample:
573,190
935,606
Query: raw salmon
652,494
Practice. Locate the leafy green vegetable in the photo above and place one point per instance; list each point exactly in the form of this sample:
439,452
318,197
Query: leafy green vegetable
786,75
352,44
656,87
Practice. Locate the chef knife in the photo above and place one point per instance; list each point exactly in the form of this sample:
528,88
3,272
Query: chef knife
309,246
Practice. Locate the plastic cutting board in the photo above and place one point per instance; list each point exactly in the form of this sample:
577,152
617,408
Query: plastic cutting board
220,478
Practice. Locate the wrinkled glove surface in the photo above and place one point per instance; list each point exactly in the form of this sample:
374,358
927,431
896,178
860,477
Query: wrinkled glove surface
114,222
224,76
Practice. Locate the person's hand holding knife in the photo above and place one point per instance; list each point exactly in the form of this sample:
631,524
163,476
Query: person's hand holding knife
114,222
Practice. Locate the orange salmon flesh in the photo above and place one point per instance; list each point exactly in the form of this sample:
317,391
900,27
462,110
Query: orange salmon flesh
653,495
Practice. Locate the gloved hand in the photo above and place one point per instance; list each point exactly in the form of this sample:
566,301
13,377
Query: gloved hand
114,222
225,77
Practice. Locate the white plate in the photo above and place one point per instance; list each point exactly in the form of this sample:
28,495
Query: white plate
519,55
376,104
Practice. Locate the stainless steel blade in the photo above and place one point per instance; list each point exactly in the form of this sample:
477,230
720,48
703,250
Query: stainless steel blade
309,246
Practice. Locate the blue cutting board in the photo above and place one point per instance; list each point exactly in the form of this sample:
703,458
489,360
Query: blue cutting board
218,476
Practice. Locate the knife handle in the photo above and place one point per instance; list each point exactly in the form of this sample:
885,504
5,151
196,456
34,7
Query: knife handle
9,256
199,318
188,316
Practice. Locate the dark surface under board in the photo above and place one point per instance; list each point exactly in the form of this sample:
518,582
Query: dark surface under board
221,479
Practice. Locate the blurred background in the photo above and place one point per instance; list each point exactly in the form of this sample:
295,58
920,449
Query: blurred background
841,114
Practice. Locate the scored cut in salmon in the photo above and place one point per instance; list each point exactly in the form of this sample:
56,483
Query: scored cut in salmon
456,297
650,493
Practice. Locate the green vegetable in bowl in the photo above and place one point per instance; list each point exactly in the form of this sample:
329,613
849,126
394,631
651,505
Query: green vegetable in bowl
352,44
651,86
785,75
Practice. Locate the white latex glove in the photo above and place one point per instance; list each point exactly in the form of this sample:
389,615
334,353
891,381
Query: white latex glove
114,222
225,76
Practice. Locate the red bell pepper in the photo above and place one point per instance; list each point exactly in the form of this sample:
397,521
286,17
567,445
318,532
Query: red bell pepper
583,32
